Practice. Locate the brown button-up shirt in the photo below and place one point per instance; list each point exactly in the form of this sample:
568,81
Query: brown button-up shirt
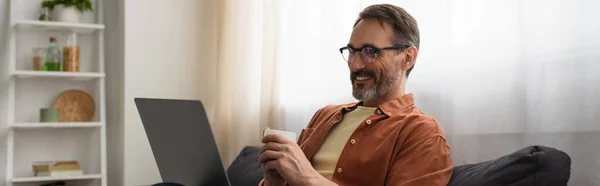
398,145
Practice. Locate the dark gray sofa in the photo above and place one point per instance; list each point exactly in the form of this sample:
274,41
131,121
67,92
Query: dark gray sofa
530,166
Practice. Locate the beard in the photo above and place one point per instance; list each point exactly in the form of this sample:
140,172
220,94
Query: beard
382,84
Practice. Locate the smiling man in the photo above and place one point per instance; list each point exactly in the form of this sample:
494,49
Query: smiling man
383,139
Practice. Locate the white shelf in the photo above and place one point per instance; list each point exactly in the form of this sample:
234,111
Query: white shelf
40,179
81,28
39,125
68,75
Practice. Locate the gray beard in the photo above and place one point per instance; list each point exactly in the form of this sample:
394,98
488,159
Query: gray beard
359,92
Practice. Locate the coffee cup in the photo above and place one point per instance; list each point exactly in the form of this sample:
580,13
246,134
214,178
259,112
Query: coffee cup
288,135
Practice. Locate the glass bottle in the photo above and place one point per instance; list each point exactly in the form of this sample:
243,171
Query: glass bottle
53,62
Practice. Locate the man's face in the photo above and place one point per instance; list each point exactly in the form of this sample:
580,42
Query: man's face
373,80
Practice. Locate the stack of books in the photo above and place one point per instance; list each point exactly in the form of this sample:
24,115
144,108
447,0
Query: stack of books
57,168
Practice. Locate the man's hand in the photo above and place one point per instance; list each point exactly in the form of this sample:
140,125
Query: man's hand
282,156
273,178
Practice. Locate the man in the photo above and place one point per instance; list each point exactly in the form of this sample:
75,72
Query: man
381,140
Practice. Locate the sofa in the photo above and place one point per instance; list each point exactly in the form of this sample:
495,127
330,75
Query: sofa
530,166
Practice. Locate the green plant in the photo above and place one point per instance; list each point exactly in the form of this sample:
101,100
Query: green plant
81,5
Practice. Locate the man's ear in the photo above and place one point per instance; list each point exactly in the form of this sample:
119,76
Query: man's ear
410,57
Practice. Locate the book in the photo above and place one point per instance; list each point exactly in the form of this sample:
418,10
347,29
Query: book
60,173
57,168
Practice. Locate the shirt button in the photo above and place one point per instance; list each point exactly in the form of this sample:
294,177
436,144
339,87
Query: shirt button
379,112
368,122
352,141
339,170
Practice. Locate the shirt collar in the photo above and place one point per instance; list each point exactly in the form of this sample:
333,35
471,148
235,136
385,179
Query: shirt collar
390,107
398,105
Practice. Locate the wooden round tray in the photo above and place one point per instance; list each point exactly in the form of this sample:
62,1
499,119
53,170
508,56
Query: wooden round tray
75,106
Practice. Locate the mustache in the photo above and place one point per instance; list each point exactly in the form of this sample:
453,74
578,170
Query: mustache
369,73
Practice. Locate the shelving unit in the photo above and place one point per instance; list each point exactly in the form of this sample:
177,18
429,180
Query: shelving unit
57,125
53,26
41,179
21,74
81,28
28,90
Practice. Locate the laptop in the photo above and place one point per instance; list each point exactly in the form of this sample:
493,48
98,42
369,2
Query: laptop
182,142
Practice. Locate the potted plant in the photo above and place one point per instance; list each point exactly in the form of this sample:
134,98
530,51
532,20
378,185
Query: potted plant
67,10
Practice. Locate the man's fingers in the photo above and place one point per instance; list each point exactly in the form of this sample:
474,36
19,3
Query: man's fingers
265,129
275,138
269,156
271,146
274,165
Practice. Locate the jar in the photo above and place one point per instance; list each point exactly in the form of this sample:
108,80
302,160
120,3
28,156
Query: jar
71,54
38,58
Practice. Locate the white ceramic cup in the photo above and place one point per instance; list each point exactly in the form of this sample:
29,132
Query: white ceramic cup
289,135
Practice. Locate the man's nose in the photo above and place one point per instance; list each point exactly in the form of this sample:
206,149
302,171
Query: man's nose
357,63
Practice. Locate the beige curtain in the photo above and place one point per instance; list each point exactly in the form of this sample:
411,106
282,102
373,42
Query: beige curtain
246,97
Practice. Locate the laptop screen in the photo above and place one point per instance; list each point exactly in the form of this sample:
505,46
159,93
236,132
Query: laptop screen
182,141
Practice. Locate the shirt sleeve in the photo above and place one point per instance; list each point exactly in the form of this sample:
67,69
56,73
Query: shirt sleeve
424,162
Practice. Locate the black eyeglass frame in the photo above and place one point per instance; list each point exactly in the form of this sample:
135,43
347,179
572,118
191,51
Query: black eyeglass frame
375,49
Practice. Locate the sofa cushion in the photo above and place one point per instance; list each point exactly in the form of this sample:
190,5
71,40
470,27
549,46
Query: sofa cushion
530,166
245,169
535,165
167,184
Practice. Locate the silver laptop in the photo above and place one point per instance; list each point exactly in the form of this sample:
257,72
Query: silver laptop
182,142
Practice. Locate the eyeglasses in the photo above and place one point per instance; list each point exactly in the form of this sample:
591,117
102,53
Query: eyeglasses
368,53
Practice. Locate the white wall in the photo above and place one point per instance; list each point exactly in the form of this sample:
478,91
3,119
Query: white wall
169,53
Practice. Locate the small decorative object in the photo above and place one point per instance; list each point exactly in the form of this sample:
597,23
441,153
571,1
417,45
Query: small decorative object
71,54
38,58
57,168
75,106
52,62
49,115
44,14
67,10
